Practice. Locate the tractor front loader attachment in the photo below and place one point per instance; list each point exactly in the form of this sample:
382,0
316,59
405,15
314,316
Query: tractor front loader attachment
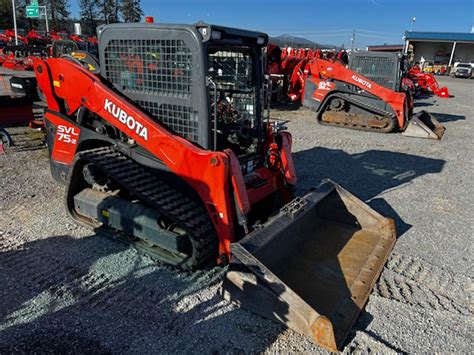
424,125
312,266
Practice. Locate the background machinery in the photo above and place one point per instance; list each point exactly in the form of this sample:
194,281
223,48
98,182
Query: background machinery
21,100
368,96
392,70
427,82
369,92
163,142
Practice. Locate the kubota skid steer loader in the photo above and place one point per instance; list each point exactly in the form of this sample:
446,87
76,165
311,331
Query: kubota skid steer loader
164,139
368,97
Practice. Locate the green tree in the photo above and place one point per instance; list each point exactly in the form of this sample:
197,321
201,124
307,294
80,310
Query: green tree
89,15
58,12
6,17
6,14
109,9
131,11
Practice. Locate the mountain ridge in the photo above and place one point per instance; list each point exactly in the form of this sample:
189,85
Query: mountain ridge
285,40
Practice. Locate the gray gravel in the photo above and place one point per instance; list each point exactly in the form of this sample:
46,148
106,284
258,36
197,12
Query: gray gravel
65,289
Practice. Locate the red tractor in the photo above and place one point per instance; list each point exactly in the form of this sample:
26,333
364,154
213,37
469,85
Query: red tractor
427,82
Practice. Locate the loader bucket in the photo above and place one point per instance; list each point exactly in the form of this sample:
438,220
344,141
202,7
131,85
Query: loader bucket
424,125
312,266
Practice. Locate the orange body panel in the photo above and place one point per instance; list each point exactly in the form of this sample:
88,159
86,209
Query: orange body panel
215,176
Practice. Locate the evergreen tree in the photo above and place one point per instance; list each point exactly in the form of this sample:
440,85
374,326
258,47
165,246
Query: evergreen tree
89,15
131,11
58,12
109,9
6,14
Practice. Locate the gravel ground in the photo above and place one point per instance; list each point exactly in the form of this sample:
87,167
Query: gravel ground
66,289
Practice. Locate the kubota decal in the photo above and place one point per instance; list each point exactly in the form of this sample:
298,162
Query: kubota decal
325,85
65,140
67,134
126,119
362,81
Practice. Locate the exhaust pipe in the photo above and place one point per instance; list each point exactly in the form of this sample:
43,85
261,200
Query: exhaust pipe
312,266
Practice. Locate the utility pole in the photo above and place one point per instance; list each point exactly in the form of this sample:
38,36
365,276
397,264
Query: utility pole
14,23
352,40
407,42
45,16
413,20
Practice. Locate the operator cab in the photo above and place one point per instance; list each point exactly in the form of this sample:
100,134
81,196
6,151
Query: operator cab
234,97
186,76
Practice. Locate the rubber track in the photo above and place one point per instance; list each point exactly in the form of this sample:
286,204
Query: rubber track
157,194
413,281
362,105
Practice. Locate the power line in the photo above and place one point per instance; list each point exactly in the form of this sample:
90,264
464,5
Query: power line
335,32
353,39
379,32
308,31
374,36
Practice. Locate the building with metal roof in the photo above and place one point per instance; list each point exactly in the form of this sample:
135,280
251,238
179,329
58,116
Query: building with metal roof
440,36
440,48
385,48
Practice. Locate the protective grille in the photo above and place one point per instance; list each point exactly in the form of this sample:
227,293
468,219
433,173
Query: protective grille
231,70
159,67
182,120
382,70
232,73
245,104
152,72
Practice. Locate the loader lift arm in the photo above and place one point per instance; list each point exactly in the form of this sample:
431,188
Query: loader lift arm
212,174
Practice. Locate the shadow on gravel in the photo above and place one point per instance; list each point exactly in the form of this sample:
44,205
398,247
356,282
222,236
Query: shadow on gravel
423,104
363,321
94,295
367,175
445,117
286,106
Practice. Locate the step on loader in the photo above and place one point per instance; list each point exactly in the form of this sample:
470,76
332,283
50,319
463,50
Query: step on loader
163,142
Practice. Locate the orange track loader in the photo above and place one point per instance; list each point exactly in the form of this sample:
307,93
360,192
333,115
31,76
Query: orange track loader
366,96
163,142
343,97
